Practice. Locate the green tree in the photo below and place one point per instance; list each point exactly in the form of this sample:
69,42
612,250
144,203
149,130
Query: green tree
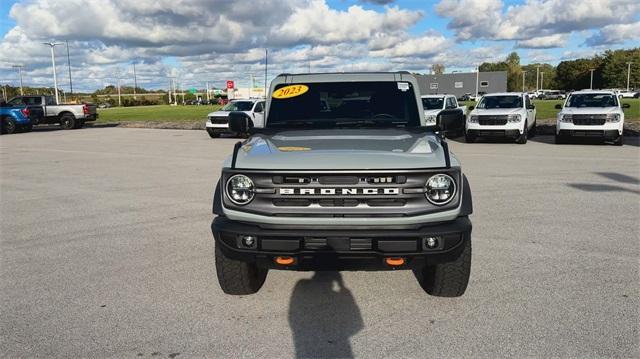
614,68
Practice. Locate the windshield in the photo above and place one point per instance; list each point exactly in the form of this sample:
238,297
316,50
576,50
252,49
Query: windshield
238,106
592,100
489,102
432,103
345,104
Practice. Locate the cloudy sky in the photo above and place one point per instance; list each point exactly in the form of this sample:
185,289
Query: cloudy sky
216,40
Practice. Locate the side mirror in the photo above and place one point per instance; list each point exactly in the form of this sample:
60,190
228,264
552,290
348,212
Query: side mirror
446,121
471,107
558,106
531,107
626,105
238,122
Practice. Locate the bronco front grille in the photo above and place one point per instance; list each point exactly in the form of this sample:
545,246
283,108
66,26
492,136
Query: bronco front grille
352,194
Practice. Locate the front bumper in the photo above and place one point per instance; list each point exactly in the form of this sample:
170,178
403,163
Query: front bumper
608,130
511,129
222,127
349,248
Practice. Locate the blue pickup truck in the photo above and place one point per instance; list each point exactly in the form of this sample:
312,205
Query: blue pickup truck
15,117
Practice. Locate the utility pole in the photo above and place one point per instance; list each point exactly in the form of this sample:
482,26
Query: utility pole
19,67
208,96
135,81
69,66
477,79
182,90
537,78
628,75
523,77
266,66
591,84
170,89
119,95
53,65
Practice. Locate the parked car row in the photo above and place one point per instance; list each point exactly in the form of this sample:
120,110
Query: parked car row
587,113
23,112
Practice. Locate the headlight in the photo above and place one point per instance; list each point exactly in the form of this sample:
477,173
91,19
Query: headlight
567,118
473,119
440,189
431,119
514,118
613,118
240,189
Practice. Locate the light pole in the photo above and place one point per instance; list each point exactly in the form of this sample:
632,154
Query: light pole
135,81
591,83
523,77
53,65
69,66
477,79
537,78
628,75
19,67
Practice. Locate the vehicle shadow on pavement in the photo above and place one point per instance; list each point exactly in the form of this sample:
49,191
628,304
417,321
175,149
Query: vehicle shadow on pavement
600,187
323,315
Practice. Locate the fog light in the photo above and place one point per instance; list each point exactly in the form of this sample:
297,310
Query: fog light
431,242
247,241
285,261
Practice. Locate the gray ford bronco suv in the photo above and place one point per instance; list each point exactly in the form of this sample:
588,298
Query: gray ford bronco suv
344,176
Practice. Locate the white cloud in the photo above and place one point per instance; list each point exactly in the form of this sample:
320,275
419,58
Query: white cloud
613,34
544,42
489,19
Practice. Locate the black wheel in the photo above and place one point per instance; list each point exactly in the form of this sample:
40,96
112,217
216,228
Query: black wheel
534,130
237,277
8,126
447,279
213,134
469,137
619,141
68,121
522,139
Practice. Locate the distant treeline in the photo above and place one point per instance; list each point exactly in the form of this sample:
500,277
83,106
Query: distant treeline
610,71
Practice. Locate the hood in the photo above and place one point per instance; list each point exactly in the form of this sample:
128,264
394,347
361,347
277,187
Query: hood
590,110
344,149
218,114
496,111
432,112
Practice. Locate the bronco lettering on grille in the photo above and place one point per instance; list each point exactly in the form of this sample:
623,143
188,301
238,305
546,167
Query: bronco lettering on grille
339,191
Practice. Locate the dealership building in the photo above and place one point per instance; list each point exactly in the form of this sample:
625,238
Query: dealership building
460,83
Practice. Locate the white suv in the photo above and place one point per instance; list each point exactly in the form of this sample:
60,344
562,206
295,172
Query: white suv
591,113
507,114
218,121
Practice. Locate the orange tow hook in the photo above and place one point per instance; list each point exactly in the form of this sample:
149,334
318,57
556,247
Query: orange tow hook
285,261
395,261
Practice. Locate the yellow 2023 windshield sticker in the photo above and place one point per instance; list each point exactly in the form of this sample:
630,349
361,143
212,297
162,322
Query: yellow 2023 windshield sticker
290,91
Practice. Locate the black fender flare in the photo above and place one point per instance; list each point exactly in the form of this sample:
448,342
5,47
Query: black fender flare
217,201
466,208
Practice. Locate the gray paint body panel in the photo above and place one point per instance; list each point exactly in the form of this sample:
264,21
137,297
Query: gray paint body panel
344,149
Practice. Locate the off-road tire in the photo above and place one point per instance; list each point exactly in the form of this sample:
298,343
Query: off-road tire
619,141
469,137
447,279
534,130
213,134
237,277
7,126
68,122
522,139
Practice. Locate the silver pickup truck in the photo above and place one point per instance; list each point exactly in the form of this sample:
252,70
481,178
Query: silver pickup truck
344,175
69,116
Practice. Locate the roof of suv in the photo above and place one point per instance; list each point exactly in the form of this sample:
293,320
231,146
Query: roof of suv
505,94
609,92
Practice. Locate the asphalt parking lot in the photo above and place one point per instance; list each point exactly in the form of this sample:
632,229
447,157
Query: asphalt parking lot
106,251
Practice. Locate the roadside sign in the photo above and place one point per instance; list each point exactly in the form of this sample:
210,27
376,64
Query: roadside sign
230,84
